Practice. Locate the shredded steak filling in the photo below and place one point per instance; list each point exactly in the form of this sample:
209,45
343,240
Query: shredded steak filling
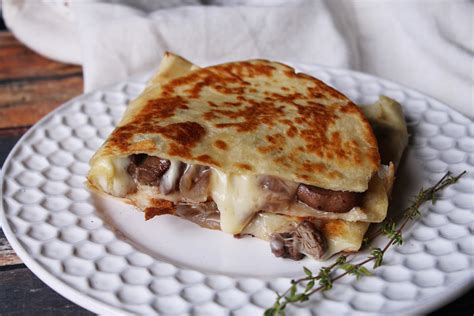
304,239
147,169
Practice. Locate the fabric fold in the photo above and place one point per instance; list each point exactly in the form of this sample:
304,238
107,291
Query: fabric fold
428,46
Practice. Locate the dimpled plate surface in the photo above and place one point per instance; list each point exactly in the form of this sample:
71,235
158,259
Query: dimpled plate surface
55,227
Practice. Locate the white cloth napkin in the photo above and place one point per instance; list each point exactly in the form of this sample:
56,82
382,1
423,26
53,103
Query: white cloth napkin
427,45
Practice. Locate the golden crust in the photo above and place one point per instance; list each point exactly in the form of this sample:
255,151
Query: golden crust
253,117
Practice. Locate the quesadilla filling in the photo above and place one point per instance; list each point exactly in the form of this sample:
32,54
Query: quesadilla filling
215,200
191,182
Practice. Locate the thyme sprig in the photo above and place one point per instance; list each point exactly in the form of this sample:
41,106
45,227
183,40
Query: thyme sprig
392,229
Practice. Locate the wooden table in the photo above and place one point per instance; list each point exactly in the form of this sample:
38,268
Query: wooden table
30,87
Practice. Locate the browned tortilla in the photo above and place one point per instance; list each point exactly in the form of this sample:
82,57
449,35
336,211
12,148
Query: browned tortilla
251,117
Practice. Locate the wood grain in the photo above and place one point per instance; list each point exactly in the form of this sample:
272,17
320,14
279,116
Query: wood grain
19,62
22,293
7,254
31,85
25,102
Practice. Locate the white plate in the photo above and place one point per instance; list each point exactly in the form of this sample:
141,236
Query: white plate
102,255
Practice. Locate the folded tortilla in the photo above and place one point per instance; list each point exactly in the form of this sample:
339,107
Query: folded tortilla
246,120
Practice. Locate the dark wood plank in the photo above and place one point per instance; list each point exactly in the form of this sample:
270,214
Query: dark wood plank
31,85
22,293
18,61
7,254
6,144
24,102
12,133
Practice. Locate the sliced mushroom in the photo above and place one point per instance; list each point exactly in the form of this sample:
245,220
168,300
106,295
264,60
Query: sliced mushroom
194,184
204,214
328,200
278,193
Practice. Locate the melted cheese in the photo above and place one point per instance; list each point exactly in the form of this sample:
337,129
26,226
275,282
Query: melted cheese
110,175
238,198
170,177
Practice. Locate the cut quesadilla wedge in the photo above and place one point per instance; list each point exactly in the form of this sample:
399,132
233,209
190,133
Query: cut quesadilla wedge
254,139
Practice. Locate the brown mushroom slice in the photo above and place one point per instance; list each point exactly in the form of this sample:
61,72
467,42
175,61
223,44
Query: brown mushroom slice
194,184
328,200
204,214
278,193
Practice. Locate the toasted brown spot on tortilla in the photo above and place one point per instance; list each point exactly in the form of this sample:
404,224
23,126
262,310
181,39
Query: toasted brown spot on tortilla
247,117
183,136
207,160
313,167
162,108
276,139
265,149
144,145
244,166
283,160
221,144
292,131
185,133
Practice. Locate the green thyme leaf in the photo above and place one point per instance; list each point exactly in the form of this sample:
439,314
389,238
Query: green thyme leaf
341,259
325,278
270,312
348,267
293,290
397,239
362,271
377,253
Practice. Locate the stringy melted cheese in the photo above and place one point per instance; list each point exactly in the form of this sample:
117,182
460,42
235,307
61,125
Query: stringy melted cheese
238,198
110,174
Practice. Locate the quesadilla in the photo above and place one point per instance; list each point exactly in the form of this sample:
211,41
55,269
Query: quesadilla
254,148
